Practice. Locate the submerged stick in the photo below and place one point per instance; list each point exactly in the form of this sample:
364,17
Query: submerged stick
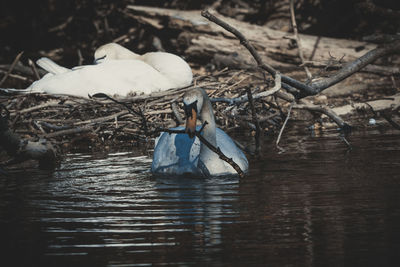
283,127
255,120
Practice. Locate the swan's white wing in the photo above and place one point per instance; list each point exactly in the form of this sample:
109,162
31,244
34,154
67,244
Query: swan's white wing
113,77
175,154
229,148
50,66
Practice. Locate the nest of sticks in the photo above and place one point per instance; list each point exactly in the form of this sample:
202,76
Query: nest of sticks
71,122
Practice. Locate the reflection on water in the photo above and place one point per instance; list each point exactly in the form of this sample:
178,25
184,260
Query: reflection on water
316,204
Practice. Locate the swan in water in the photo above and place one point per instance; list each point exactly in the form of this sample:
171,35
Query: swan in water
180,154
118,71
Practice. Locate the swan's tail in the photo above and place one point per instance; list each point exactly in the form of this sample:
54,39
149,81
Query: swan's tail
10,91
50,66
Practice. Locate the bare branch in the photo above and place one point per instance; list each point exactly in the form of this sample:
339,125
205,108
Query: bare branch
298,40
283,127
11,68
324,110
316,87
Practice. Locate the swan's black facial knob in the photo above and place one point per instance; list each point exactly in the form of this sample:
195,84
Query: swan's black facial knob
99,60
189,109
191,117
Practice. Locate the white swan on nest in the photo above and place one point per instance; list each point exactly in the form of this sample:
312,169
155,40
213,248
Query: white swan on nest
118,71
179,154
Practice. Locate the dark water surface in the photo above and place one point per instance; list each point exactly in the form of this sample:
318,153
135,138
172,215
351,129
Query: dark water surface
314,205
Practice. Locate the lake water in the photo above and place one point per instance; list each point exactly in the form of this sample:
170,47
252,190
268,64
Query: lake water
317,204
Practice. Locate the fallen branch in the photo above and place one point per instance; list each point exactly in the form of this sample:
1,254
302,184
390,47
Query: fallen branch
76,130
318,86
244,98
11,68
102,119
283,127
132,111
21,150
324,110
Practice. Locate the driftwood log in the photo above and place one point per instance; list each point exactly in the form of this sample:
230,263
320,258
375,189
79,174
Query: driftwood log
200,39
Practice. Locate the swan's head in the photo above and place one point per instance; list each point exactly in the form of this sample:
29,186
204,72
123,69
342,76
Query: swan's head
193,103
113,51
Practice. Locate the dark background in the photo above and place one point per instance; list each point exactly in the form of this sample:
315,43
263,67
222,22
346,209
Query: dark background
31,26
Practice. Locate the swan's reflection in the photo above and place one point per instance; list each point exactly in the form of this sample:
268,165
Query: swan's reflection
115,202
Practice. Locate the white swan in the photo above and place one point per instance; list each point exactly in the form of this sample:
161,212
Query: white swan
119,72
179,154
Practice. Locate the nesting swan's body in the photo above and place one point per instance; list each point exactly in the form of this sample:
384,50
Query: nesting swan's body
178,154
118,72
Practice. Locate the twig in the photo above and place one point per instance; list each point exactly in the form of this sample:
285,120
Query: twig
389,119
62,25
346,142
11,68
245,98
44,105
76,130
382,70
354,66
298,40
324,110
283,127
34,69
102,119
132,111
53,127
386,116
241,37
243,41
255,121
220,154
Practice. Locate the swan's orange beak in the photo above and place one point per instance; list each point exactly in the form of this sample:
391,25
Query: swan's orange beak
191,123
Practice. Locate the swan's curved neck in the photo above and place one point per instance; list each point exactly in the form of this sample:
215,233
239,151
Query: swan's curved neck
206,114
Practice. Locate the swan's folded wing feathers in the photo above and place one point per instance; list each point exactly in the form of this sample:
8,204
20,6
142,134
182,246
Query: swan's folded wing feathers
50,66
229,148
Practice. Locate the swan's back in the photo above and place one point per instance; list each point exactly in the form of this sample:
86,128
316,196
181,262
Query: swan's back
172,66
175,154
